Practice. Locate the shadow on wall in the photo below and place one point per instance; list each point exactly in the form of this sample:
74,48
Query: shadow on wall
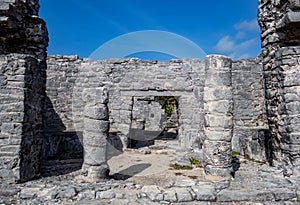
62,151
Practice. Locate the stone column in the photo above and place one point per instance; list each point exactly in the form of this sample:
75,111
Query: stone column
95,133
23,43
280,34
218,108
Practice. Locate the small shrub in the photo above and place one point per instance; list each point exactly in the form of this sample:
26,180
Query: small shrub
235,153
165,153
181,167
247,157
195,161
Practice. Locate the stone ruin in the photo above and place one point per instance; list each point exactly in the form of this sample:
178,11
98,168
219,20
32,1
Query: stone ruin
68,108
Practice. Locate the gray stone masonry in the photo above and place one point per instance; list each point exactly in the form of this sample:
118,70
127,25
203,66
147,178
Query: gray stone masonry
95,133
249,113
280,30
253,184
251,105
218,104
23,42
183,79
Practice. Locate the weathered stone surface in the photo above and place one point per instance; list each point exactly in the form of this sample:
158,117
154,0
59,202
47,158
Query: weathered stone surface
96,112
204,193
23,42
280,43
170,196
216,98
183,195
244,195
218,117
96,126
185,183
86,195
284,194
109,194
27,194
153,192
67,193
95,136
95,96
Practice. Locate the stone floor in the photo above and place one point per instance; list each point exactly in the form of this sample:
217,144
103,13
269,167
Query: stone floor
146,177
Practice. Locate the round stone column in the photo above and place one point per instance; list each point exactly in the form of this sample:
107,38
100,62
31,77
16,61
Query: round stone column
218,107
95,133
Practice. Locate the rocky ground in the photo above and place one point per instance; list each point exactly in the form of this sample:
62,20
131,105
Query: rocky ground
146,177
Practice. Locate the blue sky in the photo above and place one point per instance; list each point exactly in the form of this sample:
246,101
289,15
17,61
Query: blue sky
218,27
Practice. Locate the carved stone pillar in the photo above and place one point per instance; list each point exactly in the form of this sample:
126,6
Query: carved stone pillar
218,105
95,133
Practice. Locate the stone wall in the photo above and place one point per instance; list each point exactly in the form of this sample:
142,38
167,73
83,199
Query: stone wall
125,79
280,29
249,116
129,80
23,42
260,114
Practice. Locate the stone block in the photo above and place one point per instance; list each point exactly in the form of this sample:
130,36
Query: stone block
183,195
204,193
109,194
290,18
284,194
94,139
214,78
217,93
170,196
213,135
218,121
96,126
96,173
228,195
293,108
218,63
95,155
222,107
153,192
250,142
95,96
98,112
217,153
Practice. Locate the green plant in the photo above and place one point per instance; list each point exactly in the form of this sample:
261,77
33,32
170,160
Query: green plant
169,110
168,103
194,161
235,153
247,157
165,153
181,167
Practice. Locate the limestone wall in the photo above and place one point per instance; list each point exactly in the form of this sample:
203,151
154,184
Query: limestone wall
23,42
280,29
250,120
127,79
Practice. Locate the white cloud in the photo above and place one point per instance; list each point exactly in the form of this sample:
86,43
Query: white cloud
240,35
240,44
228,44
246,44
236,50
251,25
225,44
